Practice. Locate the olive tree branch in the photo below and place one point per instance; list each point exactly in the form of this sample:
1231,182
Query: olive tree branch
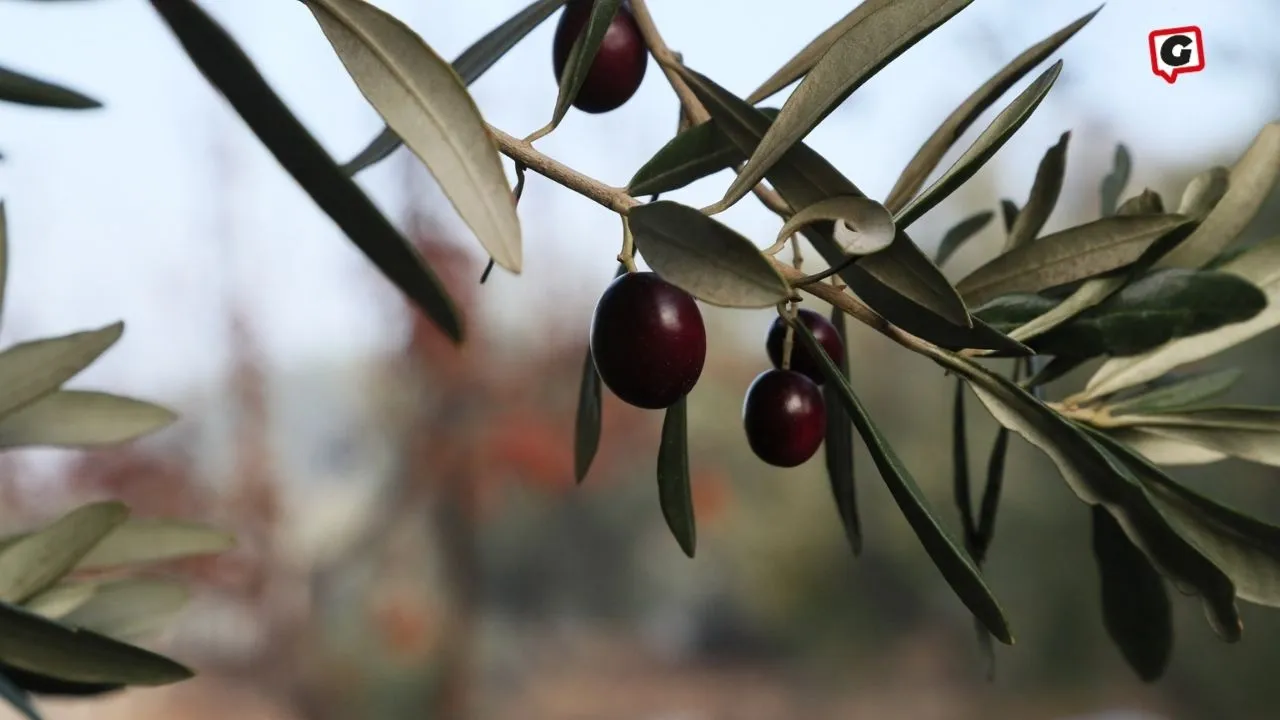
617,200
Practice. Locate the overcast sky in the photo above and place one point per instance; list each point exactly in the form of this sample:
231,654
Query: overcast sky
118,213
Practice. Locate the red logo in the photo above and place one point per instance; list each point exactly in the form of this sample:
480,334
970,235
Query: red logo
1176,51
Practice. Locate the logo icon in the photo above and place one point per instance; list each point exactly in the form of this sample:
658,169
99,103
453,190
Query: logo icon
1176,51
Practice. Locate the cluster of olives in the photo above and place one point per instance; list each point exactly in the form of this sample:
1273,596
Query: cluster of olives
649,345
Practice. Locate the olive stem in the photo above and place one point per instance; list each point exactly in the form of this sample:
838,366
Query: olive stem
788,312
797,258
628,255
697,114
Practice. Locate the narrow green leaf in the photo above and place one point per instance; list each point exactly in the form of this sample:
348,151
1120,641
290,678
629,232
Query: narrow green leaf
230,71
935,148
838,447
960,485
1009,213
18,698
674,494
1162,450
899,282
61,599
1008,122
50,687
1252,444
32,370
1043,198
1135,604
1249,185
1179,394
1204,191
1073,254
704,257
871,43
803,61
586,429
139,541
1226,417
76,418
15,87
1260,266
986,529
36,645
37,561
956,567
960,233
420,97
1115,181
581,55
132,608
474,62
1053,370
872,225
1098,478
1247,549
1166,304
1148,202
693,154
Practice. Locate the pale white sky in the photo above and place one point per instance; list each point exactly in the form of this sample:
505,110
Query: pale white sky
116,213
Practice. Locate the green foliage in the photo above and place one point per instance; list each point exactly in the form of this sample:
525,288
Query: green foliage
1148,289
60,634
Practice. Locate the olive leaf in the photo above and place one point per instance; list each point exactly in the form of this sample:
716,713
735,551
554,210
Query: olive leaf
1147,202
586,427
800,64
37,561
1098,478
1261,266
960,486
1045,190
217,56
470,65
32,370
1163,450
420,97
581,55
691,155
1073,254
872,42
37,645
1228,417
151,540
75,418
1135,604
1116,180
871,223
1254,445
131,608
960,233
674,493
988,143
1249,185
1245,548
838,446
704,257
956,567
18,698
61,599
1053,370
899,282
1008,213
1204,191
1178,394
932,151
16,87
1164,305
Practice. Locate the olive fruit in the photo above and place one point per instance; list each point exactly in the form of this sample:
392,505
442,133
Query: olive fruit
648,340
801,360
619,65
785,417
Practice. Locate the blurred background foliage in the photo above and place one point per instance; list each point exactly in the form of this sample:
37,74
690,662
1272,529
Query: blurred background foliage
411,543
